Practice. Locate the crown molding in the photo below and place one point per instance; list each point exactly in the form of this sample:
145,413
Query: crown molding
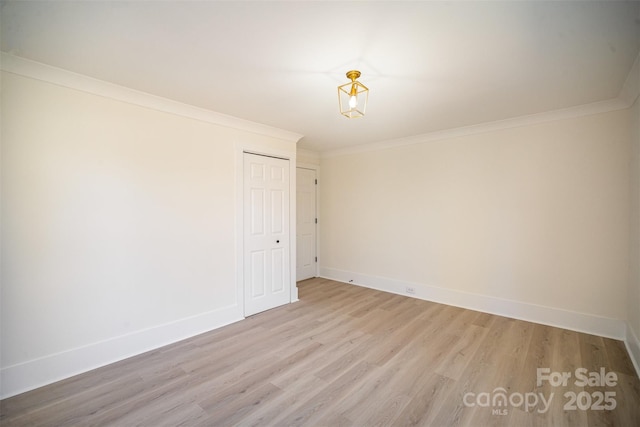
614,104
58,76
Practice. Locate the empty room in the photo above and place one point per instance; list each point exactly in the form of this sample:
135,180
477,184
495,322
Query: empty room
319,213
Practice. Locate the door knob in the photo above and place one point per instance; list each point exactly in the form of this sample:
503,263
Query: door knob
277,241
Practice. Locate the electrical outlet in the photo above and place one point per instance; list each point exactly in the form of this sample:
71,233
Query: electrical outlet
411,290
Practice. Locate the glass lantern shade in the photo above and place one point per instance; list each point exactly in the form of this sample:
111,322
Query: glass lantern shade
353,97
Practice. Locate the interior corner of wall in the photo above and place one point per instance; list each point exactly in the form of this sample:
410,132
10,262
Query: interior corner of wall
633,346
631,87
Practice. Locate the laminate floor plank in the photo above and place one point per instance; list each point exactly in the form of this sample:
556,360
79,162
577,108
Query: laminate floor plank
234,411
75,410
358,403
346,355
426,402
567,359
618,357
339,366
461,353
312,411
237,390
627,399
296,394
327,359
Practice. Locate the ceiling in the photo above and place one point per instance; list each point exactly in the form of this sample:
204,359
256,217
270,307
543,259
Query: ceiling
430,66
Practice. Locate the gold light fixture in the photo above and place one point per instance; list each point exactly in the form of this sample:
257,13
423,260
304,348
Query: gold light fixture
353,96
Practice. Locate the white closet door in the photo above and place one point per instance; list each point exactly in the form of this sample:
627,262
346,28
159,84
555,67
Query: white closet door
266,233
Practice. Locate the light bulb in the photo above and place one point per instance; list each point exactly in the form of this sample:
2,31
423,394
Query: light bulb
353,101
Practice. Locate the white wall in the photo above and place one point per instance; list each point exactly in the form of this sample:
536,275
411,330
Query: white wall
307,157
531,221
118,229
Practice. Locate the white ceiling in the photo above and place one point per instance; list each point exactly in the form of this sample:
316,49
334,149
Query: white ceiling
429,66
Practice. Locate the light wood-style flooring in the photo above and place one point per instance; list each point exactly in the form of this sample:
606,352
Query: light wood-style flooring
348,356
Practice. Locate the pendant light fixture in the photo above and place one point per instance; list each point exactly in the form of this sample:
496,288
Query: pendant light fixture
353,96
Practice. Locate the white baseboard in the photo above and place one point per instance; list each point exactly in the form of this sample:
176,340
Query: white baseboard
36,373
579,322
633,347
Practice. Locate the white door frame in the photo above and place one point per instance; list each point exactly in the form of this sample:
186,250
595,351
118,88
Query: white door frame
260,149
316,168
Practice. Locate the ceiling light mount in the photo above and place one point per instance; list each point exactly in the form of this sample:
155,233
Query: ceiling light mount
353,75
353,96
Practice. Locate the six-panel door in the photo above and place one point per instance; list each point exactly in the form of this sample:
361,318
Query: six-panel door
266,233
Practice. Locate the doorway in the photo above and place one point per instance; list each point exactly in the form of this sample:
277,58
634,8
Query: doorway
306,224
